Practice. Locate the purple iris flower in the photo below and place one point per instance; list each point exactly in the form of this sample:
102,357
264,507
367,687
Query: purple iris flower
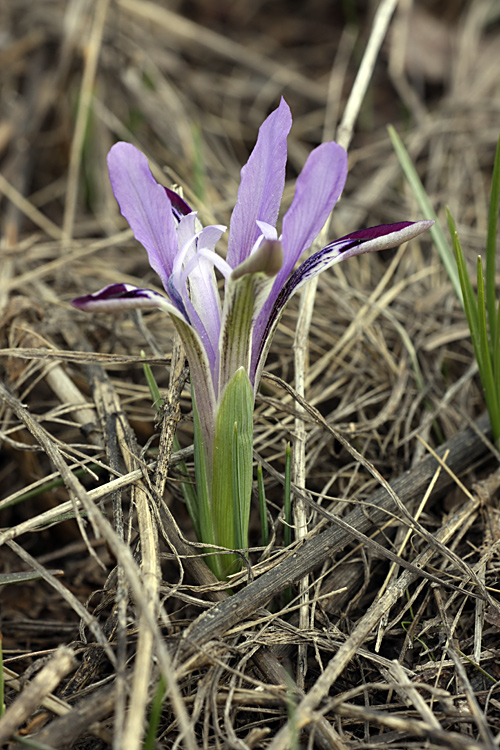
222,336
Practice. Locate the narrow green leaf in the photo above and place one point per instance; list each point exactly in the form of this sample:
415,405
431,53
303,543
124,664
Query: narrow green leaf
153,386
155,715
470,303
233,468
485,365
203,522
468,296
264,526
428,212
491,245
496,355
188,491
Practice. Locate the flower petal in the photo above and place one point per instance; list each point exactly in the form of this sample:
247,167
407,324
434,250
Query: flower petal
118,297
194,282
261,187
146,206
317,190
369,240
357,243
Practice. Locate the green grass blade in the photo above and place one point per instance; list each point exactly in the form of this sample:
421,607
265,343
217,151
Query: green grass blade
153,386
155,715
496,355
428,212
485,366
491,246
188,491
264,526
468,296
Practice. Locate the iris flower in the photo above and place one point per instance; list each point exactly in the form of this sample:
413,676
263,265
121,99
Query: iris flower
227,341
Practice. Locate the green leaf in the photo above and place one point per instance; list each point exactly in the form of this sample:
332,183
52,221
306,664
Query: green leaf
233,467
152,385
491,245
246,291
468,296
202,514
485,364
264,526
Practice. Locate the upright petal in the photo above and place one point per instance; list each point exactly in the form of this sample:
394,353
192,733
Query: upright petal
261,187
317,190
146,206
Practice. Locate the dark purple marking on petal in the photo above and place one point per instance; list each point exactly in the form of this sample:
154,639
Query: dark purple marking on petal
117,297
365,240
179,206
370,233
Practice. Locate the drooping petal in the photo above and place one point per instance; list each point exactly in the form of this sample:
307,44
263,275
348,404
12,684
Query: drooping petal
146,206
364,241
261,187
118,297
369,240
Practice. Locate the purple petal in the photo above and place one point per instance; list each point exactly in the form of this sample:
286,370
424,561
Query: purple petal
364,241
317,190
125,296
357,243
145,205
118,297
261,187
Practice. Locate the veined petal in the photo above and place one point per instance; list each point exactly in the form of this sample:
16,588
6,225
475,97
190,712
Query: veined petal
146,206
261,187
369,240
246,292
118,297
366,240
317,190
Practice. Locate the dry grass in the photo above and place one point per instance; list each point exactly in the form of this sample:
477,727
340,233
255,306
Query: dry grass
380,625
